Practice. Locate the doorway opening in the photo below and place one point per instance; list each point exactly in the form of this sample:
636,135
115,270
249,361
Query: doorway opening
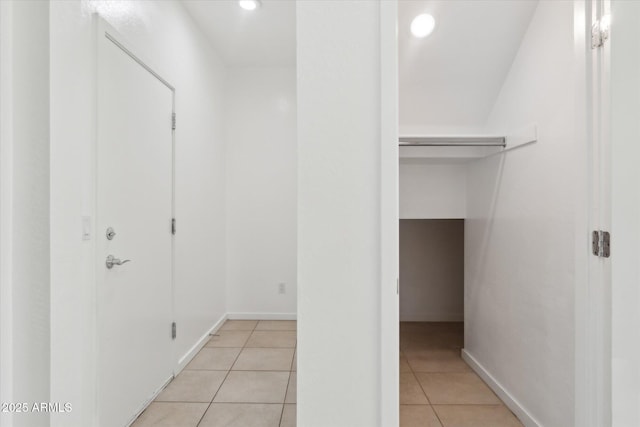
432,270
487,137
431,311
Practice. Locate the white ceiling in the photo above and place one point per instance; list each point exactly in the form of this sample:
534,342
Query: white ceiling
451,78
264,37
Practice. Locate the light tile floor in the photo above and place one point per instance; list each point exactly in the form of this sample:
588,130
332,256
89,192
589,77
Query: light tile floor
245,376
437,387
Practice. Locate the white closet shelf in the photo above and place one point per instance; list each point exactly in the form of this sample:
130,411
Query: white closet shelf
461,148
453,141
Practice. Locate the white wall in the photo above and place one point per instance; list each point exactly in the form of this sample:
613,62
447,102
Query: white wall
26,206
625,259
521,239
431,270
261,192
339,110
432,191
165,35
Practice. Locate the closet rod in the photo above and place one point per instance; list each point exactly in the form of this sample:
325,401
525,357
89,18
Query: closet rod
453,141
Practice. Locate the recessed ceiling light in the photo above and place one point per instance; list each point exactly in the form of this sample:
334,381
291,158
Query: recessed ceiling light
249,4
422,25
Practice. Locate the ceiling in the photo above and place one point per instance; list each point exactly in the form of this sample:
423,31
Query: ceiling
264,37
451,79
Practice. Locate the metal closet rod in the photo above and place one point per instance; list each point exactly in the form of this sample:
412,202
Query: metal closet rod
453,141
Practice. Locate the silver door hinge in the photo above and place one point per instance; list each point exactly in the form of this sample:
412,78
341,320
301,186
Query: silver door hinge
173,331
173,226
601,243
600,31
173,121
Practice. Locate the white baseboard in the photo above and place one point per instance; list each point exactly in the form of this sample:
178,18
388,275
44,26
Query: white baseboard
186,358
182,362
516,407
432,317
262,316
149,401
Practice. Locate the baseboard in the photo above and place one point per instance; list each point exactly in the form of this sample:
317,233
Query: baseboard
432,317
149,401
262,316
516,407
202,341
184,360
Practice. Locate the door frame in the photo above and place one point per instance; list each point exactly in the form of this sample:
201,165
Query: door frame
593,274
592,338
621,82
389,412
6,206
104,30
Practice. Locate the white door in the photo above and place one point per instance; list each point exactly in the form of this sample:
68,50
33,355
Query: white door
134,191
625,211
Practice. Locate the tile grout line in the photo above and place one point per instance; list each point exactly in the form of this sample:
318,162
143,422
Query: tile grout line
412,370
284,402
230,369
225,378
290,367
423,390
418,381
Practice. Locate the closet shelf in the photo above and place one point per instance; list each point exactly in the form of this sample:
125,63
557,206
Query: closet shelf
462,148
447,149
453,141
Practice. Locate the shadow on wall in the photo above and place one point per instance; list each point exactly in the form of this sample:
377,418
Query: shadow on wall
431,270
481,218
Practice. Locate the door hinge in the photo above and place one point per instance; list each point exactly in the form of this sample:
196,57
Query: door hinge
601,243
600,31
174,333
173,121
173,226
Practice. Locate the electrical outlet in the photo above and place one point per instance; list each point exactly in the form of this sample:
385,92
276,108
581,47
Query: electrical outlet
282,288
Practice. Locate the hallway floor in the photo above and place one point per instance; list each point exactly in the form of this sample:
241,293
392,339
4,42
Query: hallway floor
437,387
245,376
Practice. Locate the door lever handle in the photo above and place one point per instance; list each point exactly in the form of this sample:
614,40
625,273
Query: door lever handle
111,261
